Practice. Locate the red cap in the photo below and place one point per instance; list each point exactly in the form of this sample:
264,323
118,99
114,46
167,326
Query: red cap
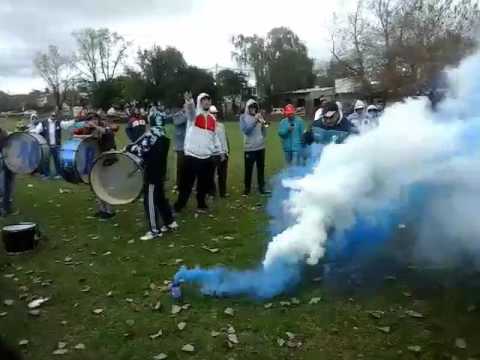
289,110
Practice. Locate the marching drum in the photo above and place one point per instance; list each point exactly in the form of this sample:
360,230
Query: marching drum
25,153
20,237
76,159
117,177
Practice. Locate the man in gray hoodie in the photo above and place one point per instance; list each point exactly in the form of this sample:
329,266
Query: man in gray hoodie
253,127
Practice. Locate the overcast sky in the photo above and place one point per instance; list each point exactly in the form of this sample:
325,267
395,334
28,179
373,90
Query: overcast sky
201,29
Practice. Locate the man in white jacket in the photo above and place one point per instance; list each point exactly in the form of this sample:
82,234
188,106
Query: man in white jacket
201,144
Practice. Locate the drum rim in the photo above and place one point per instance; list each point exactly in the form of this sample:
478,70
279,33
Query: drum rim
36,137
127,154
31,226
77,173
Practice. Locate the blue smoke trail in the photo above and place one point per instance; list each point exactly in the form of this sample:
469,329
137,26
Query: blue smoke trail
371,229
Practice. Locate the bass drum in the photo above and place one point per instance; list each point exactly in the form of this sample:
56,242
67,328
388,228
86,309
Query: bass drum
25,153
76,159
117,177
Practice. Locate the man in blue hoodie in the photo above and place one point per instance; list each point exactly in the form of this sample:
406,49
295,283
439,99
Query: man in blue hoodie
253,127
290,131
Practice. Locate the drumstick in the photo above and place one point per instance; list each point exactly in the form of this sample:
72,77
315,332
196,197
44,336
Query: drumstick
133,172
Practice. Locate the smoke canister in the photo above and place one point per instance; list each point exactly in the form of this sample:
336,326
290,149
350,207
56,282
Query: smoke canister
176,291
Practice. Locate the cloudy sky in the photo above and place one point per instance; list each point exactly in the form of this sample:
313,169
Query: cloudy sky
201,29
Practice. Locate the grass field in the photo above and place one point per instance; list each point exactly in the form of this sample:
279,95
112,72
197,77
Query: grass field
85,264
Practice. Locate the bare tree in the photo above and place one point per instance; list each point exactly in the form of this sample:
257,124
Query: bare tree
100,53
56,70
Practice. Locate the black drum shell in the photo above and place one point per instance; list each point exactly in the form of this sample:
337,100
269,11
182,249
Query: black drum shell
18,241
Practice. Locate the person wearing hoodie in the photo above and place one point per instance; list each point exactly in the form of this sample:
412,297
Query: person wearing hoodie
333,127
290,131
201,144
153,148
358,114
254,129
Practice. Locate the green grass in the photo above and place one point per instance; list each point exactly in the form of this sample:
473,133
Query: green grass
102,259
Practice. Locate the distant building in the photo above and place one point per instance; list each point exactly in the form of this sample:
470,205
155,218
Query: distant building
306,98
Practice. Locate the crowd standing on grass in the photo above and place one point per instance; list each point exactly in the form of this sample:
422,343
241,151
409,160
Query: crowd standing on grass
201,146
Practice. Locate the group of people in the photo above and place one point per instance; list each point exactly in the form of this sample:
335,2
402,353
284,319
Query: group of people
201,146
330,124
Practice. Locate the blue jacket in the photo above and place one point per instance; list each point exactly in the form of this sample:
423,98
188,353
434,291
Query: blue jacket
291,140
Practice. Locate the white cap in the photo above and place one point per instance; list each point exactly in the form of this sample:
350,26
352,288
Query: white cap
359,104
372,107
213,109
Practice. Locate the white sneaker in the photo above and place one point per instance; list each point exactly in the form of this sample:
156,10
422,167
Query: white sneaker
150,236
171,227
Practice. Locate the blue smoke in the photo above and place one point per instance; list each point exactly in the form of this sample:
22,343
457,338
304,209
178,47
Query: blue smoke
372,229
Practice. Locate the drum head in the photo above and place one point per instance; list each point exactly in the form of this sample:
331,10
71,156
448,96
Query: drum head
117,178
85,158
19,227
24,153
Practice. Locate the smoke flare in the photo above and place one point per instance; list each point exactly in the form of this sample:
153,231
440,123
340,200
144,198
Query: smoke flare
418,166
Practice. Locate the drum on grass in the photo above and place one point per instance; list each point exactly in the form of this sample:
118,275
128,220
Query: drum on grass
117,177
76,159
25,153
20,237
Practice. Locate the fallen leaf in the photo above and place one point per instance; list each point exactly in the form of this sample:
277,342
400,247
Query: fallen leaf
214,333
60,352
157,306
181,325
178,261
97,311
156,335
85,289
376,314
233,338
414,348
3,314
188,348
228,238
79,346
407,294
186,307
229,311
160,356
176,309
8,302
280,342
110,294
34,312
414,314
23,342
37,303
268,306
130,322
384,329
460,343
315,300
61,345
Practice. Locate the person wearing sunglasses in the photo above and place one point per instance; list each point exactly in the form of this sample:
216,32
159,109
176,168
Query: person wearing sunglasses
333,127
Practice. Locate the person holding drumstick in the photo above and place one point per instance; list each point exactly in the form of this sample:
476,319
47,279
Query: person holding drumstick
153,148
104,132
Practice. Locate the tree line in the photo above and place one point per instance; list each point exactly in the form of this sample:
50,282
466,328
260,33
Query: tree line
392,46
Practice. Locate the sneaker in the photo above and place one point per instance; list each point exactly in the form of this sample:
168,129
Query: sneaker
202,210
57,177
150,236
172,227
106,215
